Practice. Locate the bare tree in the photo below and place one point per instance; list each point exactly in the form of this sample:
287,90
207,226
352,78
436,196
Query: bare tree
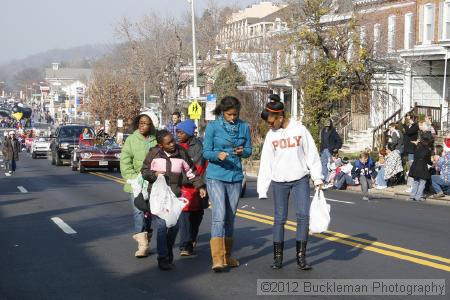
112,94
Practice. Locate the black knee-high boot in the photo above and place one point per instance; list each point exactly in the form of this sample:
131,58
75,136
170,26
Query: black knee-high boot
277,255
301,255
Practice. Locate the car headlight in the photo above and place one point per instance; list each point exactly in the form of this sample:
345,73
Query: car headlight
117,155
86,155
64,145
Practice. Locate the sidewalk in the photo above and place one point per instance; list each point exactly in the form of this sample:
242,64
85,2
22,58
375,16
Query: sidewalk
398,192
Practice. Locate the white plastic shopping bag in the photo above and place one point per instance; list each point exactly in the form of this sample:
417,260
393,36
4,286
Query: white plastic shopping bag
164,203
139,185
319,213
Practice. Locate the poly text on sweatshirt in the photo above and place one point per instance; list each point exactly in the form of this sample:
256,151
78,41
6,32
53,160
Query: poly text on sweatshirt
288,154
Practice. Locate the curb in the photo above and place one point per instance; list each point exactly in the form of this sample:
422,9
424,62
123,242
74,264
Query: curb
405,197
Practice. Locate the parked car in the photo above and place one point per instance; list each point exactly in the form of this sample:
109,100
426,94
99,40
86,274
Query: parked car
101,153
40,147
64,141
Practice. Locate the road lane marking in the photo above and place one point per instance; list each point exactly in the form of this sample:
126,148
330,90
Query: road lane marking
357,245
63,225
334,200
22,189
341,238
116,179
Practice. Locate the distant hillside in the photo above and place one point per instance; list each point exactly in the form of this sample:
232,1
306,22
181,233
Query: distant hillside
80,57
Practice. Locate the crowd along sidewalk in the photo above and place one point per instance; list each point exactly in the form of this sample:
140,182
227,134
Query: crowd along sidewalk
396,192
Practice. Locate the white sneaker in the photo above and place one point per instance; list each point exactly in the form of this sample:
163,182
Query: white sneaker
8,174
381,187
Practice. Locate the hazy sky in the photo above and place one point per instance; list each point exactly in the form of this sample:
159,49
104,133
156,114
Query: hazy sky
31,26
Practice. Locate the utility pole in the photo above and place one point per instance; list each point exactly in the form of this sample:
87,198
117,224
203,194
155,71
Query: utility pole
194,52
194,46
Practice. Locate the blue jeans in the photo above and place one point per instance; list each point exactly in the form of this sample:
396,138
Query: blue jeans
324,159
417,188
343,180
10,165
438,183
165,239
141,224
380,177
410,180
224,198
300,191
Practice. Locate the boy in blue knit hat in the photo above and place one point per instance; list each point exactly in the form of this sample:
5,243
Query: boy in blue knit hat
192,215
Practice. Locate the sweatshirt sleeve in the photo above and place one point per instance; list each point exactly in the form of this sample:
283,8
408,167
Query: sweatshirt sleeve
265,168
312,157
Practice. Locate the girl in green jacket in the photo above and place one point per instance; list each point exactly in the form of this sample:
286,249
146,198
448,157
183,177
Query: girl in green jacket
132,157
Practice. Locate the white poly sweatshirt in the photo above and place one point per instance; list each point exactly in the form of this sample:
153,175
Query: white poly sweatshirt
288,154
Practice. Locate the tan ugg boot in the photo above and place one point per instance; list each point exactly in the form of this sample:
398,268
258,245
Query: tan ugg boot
230,262
217,253
142,239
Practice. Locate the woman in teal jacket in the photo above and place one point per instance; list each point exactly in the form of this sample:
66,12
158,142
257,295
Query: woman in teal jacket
227,141
132,157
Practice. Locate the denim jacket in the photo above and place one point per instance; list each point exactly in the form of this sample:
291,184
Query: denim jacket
217,140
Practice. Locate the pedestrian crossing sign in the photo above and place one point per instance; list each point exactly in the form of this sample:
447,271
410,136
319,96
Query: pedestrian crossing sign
195,110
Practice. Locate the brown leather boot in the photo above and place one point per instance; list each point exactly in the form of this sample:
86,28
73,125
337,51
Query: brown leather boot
142,239
217,253
230,262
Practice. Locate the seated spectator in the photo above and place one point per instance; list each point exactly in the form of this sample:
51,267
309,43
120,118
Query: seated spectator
364,172
393,166
441,182
379,167
333,163
344,176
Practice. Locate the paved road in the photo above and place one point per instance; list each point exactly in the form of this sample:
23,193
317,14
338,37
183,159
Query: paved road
384,238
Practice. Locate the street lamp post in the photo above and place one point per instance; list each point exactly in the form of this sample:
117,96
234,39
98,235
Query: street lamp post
194,52
194,46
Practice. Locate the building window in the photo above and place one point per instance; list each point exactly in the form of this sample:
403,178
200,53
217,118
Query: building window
376,38
428,23
391,33
408,30
446,21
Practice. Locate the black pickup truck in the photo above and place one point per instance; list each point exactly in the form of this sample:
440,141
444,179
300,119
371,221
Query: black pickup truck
65,139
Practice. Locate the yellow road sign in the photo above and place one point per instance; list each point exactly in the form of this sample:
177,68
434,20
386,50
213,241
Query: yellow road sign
195,110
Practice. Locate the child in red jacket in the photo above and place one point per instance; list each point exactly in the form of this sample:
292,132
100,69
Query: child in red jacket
192,215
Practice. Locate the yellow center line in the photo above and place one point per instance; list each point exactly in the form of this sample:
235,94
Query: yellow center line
357,245
361,240
337,237
106,177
